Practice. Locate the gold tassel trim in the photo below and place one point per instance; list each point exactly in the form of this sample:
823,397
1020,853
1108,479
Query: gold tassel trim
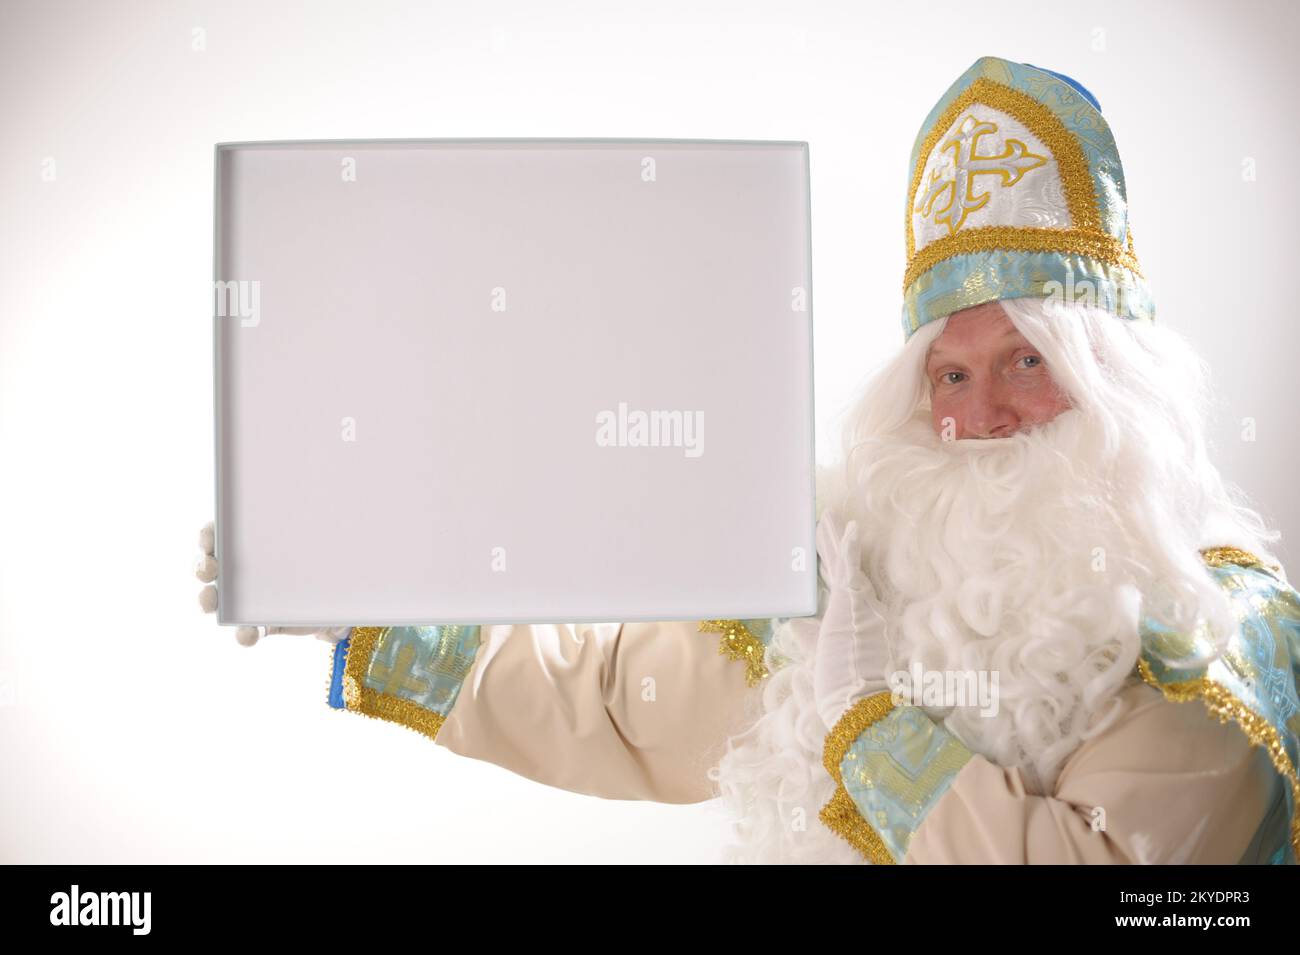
739,643
840,814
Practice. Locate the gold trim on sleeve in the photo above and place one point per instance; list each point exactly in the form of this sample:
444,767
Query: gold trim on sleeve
362,699
841,814
739,643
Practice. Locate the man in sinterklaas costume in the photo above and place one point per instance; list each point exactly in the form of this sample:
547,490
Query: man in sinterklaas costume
1050,632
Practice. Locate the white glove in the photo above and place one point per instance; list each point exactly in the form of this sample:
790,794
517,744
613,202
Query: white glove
852,653
206,570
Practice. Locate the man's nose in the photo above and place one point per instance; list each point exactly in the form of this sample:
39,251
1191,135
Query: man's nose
990,414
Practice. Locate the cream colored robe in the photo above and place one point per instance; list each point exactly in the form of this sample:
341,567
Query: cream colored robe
643,710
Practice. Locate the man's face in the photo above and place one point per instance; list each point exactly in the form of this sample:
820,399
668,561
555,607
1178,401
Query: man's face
988,378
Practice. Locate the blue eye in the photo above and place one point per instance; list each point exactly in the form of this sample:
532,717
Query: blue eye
1034,358
944,377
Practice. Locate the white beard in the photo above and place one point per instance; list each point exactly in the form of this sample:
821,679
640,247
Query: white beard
1008,557
1005,555
1030,556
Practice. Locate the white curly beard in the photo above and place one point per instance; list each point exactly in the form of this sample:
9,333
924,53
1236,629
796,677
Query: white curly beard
1002,555
1006,557
1031,557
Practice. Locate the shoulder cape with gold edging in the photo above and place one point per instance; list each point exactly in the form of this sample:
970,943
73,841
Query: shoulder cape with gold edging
1254,681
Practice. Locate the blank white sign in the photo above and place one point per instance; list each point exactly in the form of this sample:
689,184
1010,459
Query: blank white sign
511,381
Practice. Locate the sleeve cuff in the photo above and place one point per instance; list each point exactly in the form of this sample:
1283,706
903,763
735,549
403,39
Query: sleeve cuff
406,675
891,765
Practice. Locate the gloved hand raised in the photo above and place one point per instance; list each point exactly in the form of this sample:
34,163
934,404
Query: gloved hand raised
206,570
852,655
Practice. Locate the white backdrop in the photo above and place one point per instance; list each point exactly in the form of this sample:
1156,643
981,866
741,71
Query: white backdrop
134,730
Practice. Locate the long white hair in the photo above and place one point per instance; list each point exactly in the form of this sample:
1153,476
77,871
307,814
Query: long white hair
1130,456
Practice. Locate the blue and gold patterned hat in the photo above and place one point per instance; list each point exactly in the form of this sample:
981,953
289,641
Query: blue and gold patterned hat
1017,190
